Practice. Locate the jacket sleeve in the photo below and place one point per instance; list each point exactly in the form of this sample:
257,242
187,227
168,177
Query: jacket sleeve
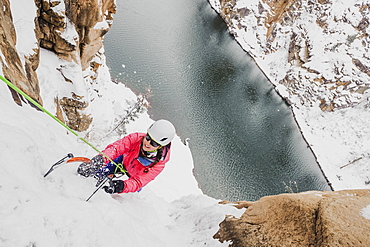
119,147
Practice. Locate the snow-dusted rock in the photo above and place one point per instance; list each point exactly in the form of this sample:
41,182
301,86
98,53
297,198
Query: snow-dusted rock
311,47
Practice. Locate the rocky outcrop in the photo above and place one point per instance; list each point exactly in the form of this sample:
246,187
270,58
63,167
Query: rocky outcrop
72,29
304,219
72,108
314,51
19,70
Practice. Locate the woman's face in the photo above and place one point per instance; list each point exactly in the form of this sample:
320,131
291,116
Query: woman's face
147,144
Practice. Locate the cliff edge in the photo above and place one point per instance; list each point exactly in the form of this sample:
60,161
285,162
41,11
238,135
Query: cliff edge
305,219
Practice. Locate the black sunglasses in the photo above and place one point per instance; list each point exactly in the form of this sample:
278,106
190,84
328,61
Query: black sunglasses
152,142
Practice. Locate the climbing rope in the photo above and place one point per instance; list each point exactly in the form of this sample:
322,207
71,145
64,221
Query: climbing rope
18,90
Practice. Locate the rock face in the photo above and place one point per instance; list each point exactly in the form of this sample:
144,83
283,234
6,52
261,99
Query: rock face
85,17
22,74
304,219
72,29
315,52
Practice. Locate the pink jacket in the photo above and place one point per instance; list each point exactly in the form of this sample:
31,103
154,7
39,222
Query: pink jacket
139,175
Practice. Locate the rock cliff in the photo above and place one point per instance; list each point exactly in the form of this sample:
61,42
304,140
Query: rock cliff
72,29
16,68
305,219
88,19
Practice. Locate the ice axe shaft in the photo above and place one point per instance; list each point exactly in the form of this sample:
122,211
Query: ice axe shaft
99,187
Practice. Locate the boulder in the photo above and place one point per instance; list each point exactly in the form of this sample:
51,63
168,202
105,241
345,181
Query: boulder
304,219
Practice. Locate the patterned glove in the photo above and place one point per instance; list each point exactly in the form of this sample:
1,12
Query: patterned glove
88,169
105,171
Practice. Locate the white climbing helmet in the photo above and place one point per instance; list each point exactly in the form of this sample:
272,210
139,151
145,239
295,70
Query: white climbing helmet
162,132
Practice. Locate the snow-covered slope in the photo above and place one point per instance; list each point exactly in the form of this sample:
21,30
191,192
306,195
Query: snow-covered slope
52,211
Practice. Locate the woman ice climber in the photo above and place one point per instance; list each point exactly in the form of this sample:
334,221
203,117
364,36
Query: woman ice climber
143,156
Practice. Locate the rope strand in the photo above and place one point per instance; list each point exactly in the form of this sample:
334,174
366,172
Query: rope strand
18,90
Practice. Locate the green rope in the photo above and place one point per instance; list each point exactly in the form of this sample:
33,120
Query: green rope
119,166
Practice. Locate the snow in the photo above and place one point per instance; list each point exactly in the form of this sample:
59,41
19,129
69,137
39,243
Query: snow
336,150
102,25
52,211
69,33
366,212
23,18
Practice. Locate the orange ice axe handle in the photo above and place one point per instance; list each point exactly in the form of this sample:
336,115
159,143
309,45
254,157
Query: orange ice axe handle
79,159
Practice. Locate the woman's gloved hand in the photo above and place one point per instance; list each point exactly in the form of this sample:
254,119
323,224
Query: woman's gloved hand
115,186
